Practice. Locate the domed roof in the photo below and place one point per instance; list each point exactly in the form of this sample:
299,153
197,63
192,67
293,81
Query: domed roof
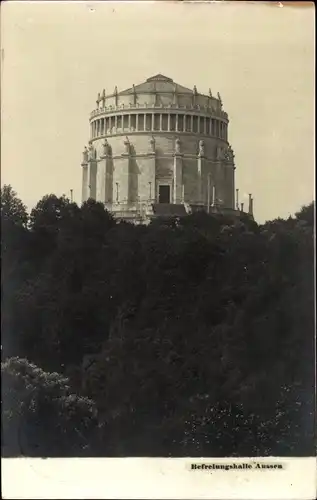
157,83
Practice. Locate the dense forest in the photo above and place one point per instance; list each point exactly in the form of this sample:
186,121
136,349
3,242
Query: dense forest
185,337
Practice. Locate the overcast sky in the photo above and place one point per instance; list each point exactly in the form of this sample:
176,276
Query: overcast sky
57,56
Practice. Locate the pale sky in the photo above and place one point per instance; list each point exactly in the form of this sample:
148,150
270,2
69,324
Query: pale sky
57,56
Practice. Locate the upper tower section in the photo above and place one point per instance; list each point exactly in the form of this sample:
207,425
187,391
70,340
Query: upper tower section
158,96
159,91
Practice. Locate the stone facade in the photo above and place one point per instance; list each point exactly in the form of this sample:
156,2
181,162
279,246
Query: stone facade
158,143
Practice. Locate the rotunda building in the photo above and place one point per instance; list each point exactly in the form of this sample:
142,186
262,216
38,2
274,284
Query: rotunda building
159,148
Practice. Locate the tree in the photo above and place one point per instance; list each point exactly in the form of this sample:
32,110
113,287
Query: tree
306,214
14,244
12,208
41,416
175,329
48,212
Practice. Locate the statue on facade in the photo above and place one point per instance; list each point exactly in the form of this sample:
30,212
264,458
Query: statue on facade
228,155
194,96
219,153
85,155
103,99
210,93
152,143
106,148
134,95
175,96
220,100
127,145
91,152
177,146
98,100
201,148
231,154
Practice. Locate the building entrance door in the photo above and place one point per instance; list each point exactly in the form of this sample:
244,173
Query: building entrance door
165,194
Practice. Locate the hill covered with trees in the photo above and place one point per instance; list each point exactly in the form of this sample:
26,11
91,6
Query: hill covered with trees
187,337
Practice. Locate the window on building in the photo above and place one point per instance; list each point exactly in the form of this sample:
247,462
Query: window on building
148,122
133,122
202,125
141,122
156,122
181,123
164,122
126,121
188,123
172,122
195,124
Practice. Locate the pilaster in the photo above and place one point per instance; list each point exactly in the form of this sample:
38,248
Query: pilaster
232,186
200,169
228,165
104,175
92,175
121,176
106,163
150,171
178,174
101,178
109,179
92,178
218,184
84,187
84,192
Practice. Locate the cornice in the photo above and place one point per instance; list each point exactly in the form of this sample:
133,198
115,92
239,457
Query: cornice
203,111
182,156
174,133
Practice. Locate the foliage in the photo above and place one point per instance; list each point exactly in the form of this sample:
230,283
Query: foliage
12,207
192,336
306,214
41,416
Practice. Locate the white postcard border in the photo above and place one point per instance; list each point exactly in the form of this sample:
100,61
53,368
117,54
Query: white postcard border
159,478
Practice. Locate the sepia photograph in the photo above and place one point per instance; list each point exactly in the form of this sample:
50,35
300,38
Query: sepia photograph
158,232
